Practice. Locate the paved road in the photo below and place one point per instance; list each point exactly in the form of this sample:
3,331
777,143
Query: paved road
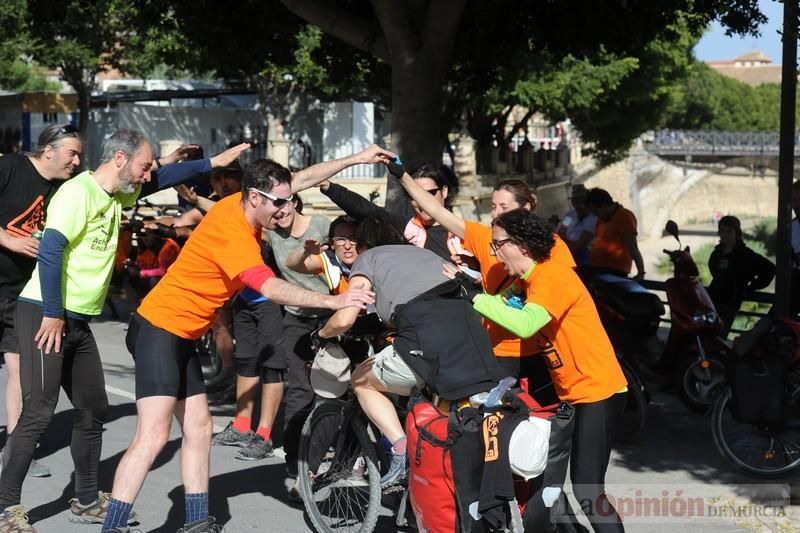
674,454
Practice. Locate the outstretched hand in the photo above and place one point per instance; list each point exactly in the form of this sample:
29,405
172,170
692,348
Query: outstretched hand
229,156
374,154
314,247
187,193
353,297
181,153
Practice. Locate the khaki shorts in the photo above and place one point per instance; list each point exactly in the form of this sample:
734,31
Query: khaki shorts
393,373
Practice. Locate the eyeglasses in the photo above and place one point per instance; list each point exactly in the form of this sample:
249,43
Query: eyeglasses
433,192
277,201
341,241
496,245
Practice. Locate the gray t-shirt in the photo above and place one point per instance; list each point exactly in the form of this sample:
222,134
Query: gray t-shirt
398,273
284,244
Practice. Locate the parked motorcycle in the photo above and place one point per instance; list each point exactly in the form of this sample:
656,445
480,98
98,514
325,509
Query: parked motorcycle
695,353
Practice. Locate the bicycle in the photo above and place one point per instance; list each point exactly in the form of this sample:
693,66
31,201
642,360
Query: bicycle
767,444
340,463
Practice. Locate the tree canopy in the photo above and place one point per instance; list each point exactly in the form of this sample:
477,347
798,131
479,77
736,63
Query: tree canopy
707,100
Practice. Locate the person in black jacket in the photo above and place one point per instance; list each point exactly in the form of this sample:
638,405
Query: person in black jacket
735,270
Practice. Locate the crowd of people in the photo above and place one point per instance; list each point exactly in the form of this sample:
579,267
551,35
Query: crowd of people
292,284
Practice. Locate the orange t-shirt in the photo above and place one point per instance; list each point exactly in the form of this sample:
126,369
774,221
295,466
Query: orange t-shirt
575,346
495,279
206,273
608,246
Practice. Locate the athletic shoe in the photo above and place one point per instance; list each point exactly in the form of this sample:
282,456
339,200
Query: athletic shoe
121,530
398,471
230,436
206,525
37,469
258,448
93,513
15,520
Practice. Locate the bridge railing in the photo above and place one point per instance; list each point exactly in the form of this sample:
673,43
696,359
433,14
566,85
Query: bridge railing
716,143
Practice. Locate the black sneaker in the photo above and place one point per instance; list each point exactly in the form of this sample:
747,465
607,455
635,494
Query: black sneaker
230,436
258,448
206,525
398,471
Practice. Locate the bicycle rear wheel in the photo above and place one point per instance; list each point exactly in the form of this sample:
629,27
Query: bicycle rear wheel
762,451
339,476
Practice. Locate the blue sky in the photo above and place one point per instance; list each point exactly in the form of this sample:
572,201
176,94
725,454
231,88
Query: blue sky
716,45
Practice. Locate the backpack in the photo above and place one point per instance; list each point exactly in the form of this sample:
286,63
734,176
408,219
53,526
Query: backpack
442,339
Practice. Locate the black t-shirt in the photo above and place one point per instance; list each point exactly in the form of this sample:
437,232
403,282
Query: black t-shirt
24,195
436,241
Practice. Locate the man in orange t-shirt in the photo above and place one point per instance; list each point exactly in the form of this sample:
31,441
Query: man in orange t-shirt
222,256
614,248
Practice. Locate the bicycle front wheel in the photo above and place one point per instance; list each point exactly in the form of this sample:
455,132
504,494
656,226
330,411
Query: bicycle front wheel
339,477
770,452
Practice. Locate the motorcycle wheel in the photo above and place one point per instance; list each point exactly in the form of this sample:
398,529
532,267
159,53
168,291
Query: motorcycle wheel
696,385
635,414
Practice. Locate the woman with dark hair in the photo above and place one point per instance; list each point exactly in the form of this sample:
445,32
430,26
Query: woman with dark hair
735,270
438,182
331,260
545,302
514,354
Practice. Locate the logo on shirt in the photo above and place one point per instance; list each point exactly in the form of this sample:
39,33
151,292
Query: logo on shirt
32,219
547,349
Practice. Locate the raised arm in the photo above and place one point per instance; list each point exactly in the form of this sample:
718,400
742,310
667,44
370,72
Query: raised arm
306,261
428,203
313,175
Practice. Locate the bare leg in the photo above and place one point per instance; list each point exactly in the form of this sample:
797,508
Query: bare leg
271,395
376,405
13,392
195,420
152,432
224,340
246,391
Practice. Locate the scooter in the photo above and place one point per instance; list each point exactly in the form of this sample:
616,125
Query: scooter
695,353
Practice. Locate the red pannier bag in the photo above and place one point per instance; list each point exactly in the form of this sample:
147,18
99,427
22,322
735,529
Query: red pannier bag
445,451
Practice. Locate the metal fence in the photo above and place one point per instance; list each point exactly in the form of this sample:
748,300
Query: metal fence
716,143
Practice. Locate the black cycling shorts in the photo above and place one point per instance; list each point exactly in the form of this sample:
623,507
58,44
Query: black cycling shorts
258,328
166,365
9,343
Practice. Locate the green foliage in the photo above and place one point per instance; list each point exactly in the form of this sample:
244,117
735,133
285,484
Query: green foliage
17,75
766,234
708,100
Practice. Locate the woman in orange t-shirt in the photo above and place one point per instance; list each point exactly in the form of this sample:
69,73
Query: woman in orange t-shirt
551,307
514,354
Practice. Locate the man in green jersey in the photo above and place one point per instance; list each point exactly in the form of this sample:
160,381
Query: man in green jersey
68,286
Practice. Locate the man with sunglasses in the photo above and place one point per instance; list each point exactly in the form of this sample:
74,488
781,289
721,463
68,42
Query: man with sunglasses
222,257
27,182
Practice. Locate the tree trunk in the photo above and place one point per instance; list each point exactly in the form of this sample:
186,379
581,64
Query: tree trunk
416,109
83,94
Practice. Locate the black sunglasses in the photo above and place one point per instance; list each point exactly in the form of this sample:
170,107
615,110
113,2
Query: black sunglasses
67,129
